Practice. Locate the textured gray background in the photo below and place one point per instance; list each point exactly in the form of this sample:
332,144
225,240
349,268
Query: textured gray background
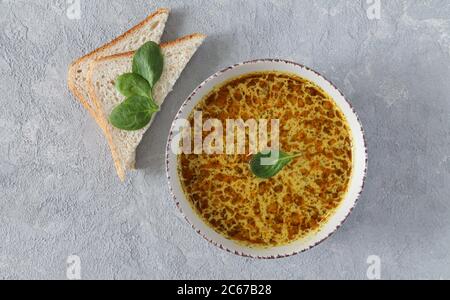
60,194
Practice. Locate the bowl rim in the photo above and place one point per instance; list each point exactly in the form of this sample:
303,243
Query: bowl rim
189,98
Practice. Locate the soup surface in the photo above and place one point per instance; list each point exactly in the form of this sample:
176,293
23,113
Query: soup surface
299,199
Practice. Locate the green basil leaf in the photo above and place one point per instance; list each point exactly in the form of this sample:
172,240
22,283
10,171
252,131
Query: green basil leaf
134,113
148,62
267,164
130,84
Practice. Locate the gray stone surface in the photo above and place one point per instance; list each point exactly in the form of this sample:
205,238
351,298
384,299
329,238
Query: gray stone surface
59,194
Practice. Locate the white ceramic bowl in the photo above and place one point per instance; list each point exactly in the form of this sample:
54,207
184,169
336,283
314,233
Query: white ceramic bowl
343,210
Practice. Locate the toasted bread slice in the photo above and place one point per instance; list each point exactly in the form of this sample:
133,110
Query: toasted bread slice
151,29
101,85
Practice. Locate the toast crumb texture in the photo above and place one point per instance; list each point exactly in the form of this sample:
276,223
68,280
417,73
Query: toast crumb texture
151,29
101,77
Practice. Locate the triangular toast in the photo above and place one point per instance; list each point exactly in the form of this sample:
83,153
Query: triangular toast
101,87
151,29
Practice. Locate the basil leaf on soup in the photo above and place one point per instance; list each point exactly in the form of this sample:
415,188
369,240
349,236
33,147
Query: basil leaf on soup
148,62
130,84
134,113
267,164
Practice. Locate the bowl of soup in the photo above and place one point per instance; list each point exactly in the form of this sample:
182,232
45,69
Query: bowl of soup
230,118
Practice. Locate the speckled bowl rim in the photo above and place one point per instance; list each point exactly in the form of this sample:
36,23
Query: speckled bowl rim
189,99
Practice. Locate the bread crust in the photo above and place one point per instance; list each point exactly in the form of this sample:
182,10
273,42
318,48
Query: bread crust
162,45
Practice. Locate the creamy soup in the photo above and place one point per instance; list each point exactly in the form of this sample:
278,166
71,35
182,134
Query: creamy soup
299,199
